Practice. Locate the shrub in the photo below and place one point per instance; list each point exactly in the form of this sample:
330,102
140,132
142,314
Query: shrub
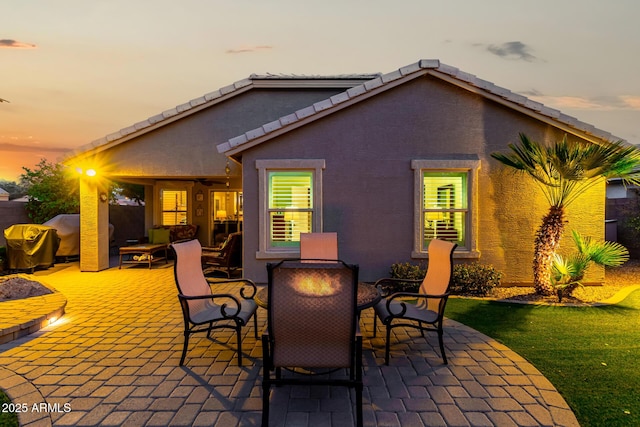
468,279
406,271
474,279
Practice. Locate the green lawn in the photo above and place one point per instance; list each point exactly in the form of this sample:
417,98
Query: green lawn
590,354
7,419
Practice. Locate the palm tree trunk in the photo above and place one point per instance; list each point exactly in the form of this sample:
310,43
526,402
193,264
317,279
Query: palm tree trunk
568,291
546,244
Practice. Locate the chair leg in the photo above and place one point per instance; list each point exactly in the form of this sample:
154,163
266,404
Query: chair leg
359,385
255,325
386,346
440,340
266,381
266,388
265,406
359,405
184,348
239,339
375,324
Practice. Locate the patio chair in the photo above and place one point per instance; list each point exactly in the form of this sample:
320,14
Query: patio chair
318,246
312,328
428,312
228,259
203,310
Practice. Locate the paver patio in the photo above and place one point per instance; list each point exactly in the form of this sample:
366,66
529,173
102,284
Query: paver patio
113,360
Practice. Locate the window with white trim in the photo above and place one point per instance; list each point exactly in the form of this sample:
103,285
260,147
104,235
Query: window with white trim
290,203
444,206
445,202
290,206
174,206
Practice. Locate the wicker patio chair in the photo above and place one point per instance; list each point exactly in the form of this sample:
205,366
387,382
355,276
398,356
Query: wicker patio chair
203,310
427,313
312,328
228,259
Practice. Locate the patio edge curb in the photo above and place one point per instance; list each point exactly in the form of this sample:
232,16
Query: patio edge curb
29,315
22,392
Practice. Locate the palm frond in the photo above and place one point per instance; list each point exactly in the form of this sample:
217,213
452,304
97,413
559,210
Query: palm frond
567,169
568,271
611,254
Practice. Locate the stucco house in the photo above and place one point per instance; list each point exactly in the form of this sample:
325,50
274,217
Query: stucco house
387,161
173,155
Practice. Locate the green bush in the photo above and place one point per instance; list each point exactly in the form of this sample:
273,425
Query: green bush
468,279
474,279
406,271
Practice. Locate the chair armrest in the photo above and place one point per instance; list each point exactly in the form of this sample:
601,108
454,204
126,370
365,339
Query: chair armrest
223,307
390,280
443,298
248,290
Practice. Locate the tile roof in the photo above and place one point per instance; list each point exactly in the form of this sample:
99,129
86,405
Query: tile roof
212,98
386,81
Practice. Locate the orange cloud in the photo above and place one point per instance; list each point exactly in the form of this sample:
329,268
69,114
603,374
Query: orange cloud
632,102
248,49
14,44
574,102
605,103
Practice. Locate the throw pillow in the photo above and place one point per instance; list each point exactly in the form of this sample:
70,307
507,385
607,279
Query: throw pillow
159,236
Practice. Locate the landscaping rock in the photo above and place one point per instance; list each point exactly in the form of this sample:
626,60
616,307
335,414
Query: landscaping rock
12,288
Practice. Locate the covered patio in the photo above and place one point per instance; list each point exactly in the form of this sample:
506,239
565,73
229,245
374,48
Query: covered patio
113,360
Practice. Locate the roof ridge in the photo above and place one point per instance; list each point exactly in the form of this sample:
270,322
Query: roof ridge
283,76
432,66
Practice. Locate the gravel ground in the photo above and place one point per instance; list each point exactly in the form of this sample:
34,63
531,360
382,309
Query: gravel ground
18,287
615,279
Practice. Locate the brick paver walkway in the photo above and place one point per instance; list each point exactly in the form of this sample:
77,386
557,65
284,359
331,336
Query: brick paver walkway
113,360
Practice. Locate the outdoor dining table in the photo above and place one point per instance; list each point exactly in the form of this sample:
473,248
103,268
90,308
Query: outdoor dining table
368,296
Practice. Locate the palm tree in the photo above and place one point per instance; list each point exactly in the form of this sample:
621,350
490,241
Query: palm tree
567,273
564,171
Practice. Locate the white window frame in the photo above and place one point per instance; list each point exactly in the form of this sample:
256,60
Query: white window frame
316,166
471,167
177,186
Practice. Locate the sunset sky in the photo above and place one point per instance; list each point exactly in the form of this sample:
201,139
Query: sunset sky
74,71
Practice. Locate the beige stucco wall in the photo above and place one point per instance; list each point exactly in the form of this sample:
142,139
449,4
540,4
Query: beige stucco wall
510,218
94,226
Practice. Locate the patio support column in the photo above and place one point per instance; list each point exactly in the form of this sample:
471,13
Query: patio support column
94,226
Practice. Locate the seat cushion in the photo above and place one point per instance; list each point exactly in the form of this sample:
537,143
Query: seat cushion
212,311
413,312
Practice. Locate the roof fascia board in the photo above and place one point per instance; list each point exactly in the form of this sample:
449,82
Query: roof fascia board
520,108
212,99
102,146
233,151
